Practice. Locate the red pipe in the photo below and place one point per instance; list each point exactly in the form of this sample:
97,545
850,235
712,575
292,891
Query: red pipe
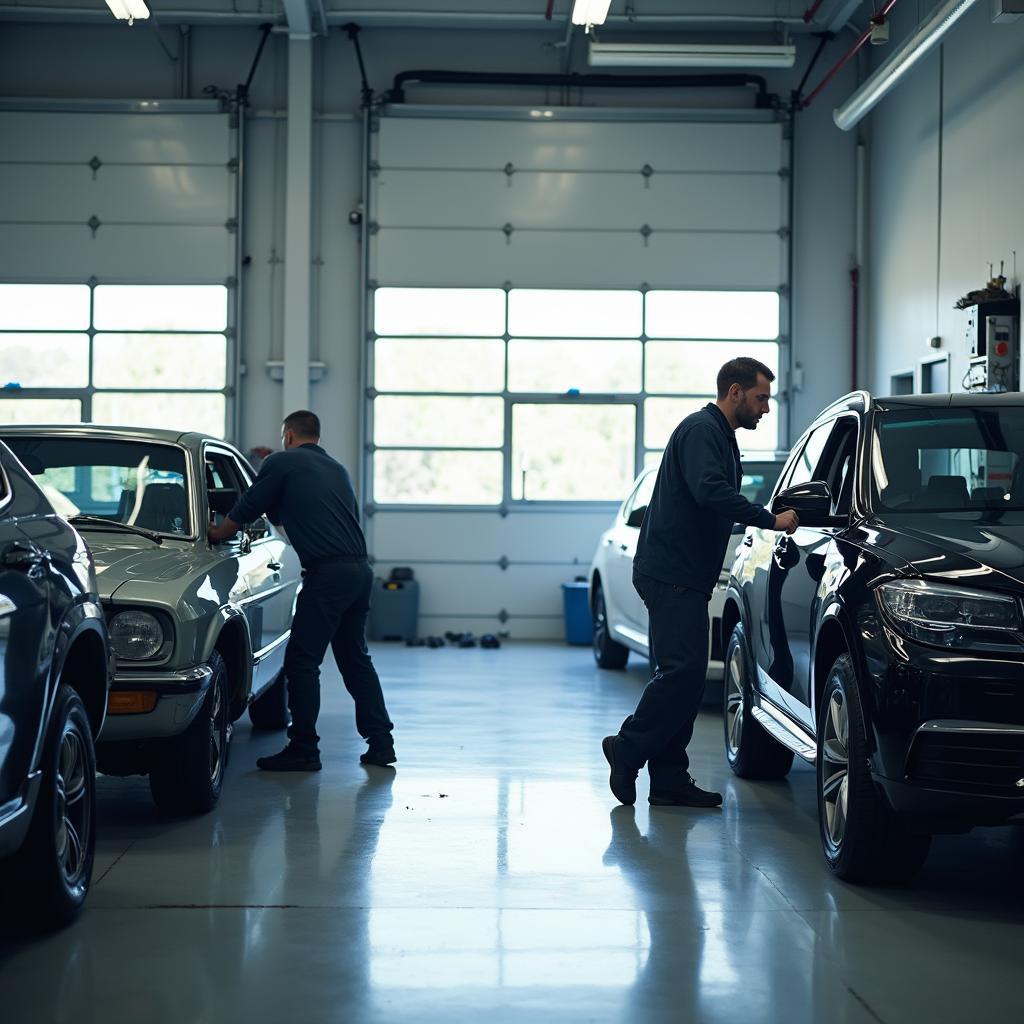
811,11
550,10
845,59
855,288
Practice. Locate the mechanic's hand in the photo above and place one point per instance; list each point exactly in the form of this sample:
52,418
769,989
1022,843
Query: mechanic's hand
787,521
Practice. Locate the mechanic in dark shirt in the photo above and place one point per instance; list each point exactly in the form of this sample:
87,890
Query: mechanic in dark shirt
311,496
679,556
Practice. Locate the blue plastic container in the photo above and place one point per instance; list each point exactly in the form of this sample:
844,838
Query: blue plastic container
579,626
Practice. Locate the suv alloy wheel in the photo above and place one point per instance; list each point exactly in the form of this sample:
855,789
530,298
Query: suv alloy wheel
607,653
863,840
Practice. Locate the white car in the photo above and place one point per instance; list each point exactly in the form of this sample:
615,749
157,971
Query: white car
620,617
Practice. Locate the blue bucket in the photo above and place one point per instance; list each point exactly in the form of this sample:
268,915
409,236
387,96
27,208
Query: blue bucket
579,626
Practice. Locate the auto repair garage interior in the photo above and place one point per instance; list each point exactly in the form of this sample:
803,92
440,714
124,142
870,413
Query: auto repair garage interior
502,249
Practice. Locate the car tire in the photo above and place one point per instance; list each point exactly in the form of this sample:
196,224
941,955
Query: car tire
48,879
750,751
270,709
607,653
862,839
188,774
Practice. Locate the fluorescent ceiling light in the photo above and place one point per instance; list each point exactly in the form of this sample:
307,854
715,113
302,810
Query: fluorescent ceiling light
128,10
590,12
690,55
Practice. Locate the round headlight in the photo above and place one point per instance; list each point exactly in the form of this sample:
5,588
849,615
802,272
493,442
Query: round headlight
136,636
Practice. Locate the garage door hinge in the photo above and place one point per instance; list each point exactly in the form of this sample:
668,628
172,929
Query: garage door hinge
646,231
95,163
374,227
371,447
94,223
233,165
507,231
232,225
509,169
503,563
503,616
372,393
374,168
783,232
647,171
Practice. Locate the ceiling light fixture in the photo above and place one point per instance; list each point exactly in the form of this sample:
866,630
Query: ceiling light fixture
690,55
129,10
590,12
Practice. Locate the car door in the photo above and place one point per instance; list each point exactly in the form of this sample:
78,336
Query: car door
798,566
26,631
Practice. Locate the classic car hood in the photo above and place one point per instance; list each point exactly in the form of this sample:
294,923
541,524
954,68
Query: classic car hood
963,549
120,559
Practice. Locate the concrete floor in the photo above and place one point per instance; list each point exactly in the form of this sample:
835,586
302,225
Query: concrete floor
493,877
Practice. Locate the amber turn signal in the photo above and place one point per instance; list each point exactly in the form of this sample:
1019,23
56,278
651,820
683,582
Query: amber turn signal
130,702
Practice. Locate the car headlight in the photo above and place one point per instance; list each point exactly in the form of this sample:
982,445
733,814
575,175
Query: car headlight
135,636
949,616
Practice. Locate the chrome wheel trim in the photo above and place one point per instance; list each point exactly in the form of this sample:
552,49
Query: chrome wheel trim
734,702
73,809
835,769
218,733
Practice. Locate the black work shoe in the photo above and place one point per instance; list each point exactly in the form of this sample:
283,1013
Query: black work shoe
688,795
291,759
622,781
380,756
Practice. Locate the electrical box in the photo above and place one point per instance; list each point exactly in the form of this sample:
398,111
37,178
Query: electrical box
992,332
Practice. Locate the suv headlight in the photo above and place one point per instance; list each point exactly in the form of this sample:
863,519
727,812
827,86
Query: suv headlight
948,616
136,636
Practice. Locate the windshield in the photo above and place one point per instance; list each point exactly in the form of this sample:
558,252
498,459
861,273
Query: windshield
141,483
948,460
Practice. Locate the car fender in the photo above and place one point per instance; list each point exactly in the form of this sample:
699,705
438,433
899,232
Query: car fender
238,655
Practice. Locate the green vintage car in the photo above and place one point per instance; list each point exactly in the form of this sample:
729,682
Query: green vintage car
199,633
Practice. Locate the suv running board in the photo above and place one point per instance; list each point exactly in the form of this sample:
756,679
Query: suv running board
788,733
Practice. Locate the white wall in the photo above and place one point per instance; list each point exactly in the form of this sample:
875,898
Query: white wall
964,104
115,61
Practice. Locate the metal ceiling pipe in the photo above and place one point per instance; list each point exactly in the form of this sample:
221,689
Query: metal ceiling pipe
928,33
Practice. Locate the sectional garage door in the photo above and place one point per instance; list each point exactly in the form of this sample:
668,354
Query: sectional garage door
547,296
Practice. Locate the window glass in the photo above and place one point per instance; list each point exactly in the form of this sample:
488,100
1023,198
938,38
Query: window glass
160,307
603,367
645,490
44,307
759,480
204,414
473,312
692,366
806,465
438,422
663,415
160,361
40,410
44,360
437,478
652,460
430,364
700,314
551,313
572,453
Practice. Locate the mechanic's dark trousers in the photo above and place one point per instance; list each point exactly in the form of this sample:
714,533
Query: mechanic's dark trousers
658,732
332,609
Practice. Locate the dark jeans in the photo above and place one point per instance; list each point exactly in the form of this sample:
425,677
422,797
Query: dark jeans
331,610
658,732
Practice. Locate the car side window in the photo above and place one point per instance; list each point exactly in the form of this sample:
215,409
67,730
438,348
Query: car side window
5,492
806,465
837,465
20,495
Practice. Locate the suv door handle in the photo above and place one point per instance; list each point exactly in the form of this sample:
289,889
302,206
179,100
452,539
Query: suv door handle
22,558
275,566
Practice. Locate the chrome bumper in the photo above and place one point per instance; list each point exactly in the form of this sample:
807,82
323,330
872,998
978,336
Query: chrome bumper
180,696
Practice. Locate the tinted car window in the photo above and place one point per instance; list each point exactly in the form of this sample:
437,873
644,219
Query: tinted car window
806,465
948,460
22,497
142,483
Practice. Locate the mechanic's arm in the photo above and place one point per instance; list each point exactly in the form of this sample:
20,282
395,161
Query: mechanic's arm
257,499
702,466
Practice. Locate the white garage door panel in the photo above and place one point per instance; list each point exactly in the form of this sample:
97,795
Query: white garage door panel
157,194
747,202
593,260
579,145
402,537
61,137
184,255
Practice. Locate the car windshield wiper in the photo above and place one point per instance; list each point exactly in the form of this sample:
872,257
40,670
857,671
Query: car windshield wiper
114,524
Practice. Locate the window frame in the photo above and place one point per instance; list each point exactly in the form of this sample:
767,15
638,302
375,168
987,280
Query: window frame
89,391
512,398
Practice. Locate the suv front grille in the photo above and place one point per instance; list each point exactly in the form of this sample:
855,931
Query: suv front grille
985,763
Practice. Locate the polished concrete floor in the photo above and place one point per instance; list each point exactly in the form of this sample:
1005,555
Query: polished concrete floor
491,877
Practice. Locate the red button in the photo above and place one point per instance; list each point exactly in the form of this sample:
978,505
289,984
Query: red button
1002,349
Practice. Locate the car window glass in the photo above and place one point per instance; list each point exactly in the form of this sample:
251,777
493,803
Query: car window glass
805,467
627,505
836,464
644,491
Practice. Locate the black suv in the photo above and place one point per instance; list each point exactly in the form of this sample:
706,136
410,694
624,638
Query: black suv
884,641
54,677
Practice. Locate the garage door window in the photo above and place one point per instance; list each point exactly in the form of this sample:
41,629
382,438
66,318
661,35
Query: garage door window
139,355
490,396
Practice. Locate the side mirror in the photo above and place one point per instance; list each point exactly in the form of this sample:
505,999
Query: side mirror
222,499
636,516
812,502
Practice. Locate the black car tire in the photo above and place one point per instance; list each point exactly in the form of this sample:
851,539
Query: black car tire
270,709
187,776
48,878
607,653
862,839
750,751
